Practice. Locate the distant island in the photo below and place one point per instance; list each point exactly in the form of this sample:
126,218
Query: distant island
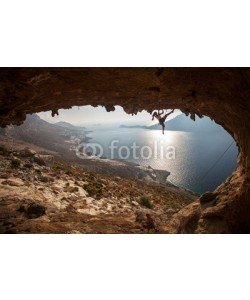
135,126
183,123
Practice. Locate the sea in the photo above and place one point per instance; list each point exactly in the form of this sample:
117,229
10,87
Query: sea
197,161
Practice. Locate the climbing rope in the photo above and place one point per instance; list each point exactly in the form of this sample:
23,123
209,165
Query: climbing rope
210,169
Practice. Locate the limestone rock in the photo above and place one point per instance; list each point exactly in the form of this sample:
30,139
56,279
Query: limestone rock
13,182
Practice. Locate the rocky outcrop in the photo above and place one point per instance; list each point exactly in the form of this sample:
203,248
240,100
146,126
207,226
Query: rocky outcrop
220,93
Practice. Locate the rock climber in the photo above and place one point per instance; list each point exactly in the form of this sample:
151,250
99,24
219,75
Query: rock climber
161,119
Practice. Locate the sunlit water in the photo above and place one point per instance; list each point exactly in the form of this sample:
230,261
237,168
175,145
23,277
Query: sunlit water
195,153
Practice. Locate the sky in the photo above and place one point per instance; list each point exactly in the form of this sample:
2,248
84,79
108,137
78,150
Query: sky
88,115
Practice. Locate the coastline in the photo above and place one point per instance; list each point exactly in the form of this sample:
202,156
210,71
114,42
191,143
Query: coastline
122,168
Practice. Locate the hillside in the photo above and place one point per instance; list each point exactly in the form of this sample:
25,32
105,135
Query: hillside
49,136
38,194
42,136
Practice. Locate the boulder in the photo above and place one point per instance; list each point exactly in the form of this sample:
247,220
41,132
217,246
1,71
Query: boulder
207,197
45,179
150,224
73,189
145,219
35,210
140,216
4,176
27,152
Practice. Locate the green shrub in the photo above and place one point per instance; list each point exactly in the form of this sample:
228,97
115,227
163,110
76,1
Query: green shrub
145,201
15,163
57,167
94,189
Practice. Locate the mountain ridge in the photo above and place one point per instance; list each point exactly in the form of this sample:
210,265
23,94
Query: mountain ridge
183,123
68,125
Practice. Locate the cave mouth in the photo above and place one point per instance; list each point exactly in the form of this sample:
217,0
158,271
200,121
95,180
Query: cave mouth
220,93
195,155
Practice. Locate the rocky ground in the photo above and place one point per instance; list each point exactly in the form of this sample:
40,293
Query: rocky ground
41,195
